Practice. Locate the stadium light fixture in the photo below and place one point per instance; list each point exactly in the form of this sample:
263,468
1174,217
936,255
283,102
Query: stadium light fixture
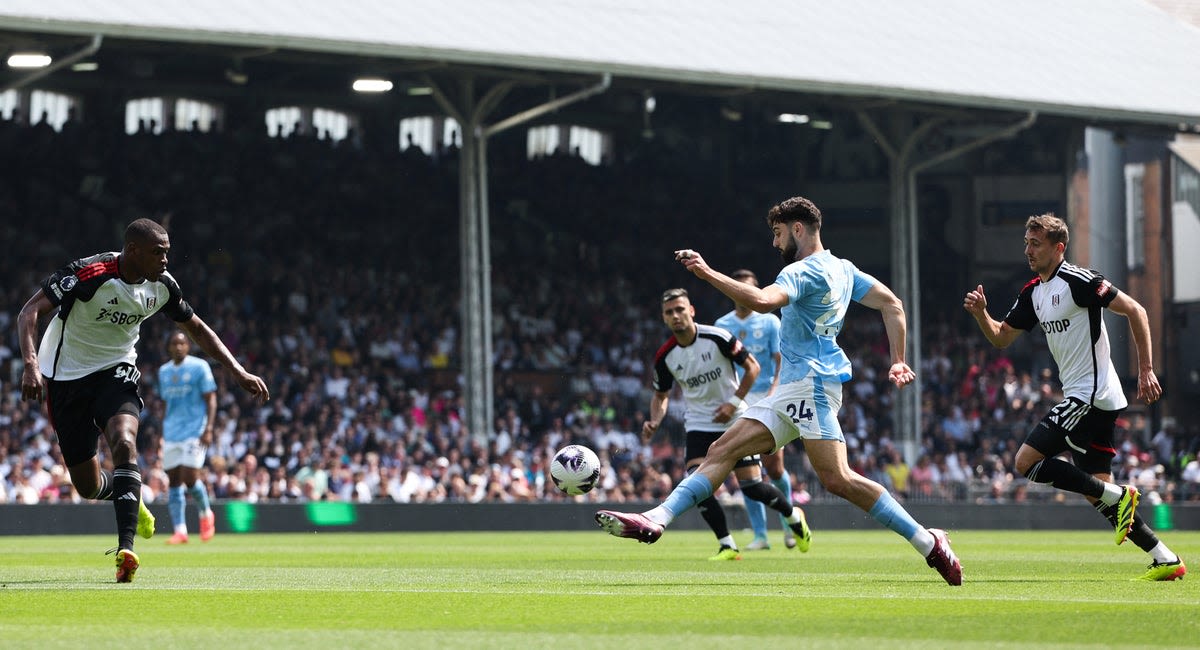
236,76
85,66
824,125
415,91
372,85
29,60
793,118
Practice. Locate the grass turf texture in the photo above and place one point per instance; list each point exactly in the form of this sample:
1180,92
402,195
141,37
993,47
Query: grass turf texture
590,590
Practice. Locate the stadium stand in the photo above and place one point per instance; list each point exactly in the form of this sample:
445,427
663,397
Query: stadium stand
331,270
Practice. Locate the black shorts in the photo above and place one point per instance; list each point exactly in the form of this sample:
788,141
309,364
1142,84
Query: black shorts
81,408
698,443
1081,428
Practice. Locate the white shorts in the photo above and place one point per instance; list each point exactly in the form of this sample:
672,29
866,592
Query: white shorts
804,409
753,398
189,453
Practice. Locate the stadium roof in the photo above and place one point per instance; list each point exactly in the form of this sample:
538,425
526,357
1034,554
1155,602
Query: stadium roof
1122,60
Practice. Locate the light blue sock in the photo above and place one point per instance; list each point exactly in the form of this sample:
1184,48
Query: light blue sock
756,512
784,483
690,491
891,514
200,494
176,502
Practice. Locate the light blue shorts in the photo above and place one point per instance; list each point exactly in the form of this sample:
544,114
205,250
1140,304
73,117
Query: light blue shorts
804,409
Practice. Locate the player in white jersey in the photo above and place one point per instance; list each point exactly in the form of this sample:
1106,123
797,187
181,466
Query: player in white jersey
812,293
186,385
85,367
760,334
1067,302
703,359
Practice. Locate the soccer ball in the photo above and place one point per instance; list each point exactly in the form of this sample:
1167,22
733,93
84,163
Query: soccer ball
575,469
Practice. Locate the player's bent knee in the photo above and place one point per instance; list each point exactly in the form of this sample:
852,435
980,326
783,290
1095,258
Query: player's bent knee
124,450
837,483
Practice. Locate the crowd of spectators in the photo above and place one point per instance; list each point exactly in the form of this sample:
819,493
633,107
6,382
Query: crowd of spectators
331,270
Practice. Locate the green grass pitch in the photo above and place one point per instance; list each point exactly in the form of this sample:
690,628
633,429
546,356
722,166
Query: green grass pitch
589,590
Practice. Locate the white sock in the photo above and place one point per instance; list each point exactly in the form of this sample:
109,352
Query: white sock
923,541
728,541
794,516
659,515
1112,494
1162,554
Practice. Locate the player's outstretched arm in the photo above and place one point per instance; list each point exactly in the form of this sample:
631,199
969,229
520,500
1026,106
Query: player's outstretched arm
202,334
1139,325
879,297
764,300
999,333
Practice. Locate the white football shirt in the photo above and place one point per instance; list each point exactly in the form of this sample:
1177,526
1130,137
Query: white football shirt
100,316
706,372
1069,308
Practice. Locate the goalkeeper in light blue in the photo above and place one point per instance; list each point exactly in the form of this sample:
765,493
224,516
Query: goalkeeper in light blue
813,293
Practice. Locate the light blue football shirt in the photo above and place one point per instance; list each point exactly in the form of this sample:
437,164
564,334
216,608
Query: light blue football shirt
760,334
819,288
183,387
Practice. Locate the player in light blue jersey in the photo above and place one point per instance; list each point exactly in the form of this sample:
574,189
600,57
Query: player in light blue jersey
186,384
760,334
813,293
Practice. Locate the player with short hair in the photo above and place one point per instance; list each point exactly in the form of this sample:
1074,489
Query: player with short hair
702,359
1067,302
760,334
186,385
813,293
85,367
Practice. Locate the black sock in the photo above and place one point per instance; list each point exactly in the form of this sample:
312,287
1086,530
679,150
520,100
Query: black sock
1140,534
768,495
1065,476
127,495
105,491
714,514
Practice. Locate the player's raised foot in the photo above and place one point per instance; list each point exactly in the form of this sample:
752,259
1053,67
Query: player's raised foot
1126,509
725,554
758,544
177,539
208,526
629,524
127,565
145,526
1165,571
800,529
943,559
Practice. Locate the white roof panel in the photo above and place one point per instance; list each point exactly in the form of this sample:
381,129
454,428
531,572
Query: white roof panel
1114,59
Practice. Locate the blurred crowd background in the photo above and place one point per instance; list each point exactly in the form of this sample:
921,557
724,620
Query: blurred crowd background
331,269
